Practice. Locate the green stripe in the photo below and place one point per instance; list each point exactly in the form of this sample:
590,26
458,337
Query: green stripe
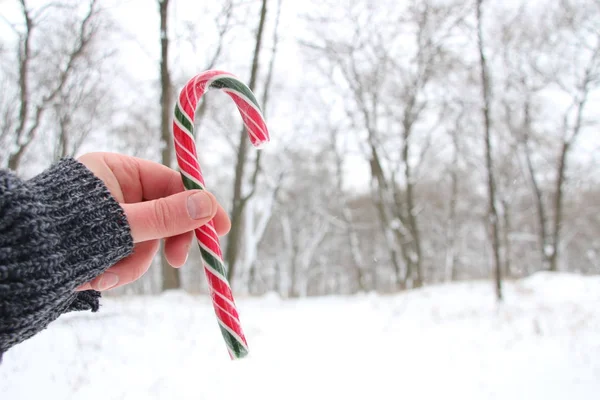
236,85
183,119
237,348
190,184
214,262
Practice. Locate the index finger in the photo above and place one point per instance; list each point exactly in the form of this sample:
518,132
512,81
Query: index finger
143,179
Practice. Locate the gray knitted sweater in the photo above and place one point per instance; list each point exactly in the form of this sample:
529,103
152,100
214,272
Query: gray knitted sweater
58,231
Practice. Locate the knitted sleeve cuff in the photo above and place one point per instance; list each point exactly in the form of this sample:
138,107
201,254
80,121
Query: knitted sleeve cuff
58,231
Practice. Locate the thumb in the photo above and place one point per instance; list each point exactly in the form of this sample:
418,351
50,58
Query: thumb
170,216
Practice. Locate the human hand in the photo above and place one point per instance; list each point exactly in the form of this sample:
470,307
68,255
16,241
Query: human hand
157,206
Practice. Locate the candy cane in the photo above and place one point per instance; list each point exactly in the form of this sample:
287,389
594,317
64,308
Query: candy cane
185,149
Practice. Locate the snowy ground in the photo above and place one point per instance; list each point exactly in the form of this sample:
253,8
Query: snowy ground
445,342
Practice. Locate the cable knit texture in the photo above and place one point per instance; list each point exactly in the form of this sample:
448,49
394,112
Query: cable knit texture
58,231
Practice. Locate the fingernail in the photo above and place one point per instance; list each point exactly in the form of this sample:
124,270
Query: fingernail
200,205
107,281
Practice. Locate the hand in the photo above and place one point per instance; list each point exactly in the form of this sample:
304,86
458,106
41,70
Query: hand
157,206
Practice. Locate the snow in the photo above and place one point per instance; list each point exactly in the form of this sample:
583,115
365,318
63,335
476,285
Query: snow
448,341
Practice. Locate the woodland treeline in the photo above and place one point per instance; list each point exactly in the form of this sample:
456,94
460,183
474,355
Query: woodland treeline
415,142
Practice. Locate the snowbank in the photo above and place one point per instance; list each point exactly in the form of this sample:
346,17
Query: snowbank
450,341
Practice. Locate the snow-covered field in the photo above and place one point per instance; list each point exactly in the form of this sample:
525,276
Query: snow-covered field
444,342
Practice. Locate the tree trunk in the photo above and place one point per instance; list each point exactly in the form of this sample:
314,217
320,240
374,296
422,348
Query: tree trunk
562,165
414,250
170,275
264,220
451,229
492,212
238,203
552,254
506,238
379,189
537,192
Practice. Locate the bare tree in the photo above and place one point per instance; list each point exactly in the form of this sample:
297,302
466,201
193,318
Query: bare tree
170,276
526,40
254,232
391,102
39,93
587,42
240,199
492,219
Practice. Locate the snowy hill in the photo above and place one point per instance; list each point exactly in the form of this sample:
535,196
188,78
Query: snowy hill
449,341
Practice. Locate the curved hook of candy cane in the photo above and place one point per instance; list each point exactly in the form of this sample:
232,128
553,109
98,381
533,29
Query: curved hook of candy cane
187,159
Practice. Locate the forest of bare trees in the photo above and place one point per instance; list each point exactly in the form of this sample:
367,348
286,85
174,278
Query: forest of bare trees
415,142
